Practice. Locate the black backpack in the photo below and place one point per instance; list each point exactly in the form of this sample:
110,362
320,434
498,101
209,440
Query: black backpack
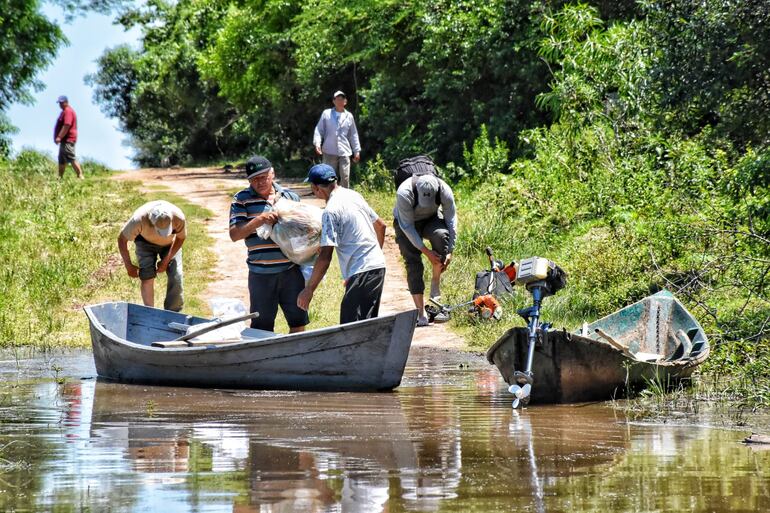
496,283
416,166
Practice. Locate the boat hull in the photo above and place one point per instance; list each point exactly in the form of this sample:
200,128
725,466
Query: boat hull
366,355
568,368
653,340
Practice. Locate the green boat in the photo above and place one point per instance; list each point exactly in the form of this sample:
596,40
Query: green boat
655,340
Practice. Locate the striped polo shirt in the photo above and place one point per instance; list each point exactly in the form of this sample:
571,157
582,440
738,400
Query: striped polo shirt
265,257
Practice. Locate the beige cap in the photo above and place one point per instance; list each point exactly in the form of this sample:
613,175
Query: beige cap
160,217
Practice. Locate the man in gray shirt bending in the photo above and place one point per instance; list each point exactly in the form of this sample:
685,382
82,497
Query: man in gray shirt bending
336,138
425,209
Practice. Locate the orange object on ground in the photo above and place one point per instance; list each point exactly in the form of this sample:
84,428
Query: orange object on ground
488,306
510,271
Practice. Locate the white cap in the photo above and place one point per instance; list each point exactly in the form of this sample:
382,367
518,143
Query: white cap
160,217
339,93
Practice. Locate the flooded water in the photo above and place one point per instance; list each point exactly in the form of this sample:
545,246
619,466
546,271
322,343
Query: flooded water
446,440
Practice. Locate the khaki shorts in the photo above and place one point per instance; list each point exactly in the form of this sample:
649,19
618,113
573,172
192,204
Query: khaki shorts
67,153
341,166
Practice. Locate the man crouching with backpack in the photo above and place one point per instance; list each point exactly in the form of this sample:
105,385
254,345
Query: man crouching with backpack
425,209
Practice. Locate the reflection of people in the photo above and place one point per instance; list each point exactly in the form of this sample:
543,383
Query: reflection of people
350,225
273,279
417,217
336,138
369,493
65,134
158,229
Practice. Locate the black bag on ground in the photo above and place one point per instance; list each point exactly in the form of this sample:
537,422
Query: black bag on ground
557,278
501,284
414,166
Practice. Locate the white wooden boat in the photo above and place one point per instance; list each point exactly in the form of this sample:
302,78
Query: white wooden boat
367,355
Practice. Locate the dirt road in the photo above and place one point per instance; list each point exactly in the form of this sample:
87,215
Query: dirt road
212,188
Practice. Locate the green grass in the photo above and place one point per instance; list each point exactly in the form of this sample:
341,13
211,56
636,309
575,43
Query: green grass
59,250
735,373
458,282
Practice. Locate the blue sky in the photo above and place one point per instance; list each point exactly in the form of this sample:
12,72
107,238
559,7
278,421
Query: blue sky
98,136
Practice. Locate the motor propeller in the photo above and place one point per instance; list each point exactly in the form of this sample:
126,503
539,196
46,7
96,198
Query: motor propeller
542,278
520,394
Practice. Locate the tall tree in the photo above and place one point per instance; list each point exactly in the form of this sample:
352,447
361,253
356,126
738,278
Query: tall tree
30,42
713,66
170,111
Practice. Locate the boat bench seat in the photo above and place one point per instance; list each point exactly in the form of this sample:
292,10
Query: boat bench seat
647,357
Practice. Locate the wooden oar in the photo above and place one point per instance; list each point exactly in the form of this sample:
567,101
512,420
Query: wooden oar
614,343
217,324
642,357
184,340
200,343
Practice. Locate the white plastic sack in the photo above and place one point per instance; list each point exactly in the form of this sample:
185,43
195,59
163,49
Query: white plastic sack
307,272
227,307
297,231
222,308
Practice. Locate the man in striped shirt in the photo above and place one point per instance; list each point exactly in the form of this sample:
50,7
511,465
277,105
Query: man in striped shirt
273,279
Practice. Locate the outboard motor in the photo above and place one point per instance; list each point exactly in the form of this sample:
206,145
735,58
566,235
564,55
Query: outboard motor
542,278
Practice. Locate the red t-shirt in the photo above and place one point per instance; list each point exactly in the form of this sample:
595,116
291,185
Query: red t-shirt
67,117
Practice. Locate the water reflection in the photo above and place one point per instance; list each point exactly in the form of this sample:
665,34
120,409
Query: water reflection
446,441
296,451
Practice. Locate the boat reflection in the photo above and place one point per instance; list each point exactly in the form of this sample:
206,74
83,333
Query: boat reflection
446,441
289,450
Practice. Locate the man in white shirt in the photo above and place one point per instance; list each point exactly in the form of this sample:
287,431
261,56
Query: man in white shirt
336,138
350,225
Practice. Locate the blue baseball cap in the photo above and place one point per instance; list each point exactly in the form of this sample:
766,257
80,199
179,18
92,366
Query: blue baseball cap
321,174
61,99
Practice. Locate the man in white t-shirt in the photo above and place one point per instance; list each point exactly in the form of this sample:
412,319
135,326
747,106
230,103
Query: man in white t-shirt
350,225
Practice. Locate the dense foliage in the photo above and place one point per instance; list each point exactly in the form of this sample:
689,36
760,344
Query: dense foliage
29,43
629,198
421,75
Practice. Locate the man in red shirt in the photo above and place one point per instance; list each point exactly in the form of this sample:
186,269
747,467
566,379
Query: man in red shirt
65,134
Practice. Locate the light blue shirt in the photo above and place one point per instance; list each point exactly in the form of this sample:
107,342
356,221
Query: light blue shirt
347,224
337,134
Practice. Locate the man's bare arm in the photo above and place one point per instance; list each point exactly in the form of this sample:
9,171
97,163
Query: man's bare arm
243,230
379,229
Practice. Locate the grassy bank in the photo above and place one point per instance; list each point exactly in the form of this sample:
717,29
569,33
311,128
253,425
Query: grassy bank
59,252
606,271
